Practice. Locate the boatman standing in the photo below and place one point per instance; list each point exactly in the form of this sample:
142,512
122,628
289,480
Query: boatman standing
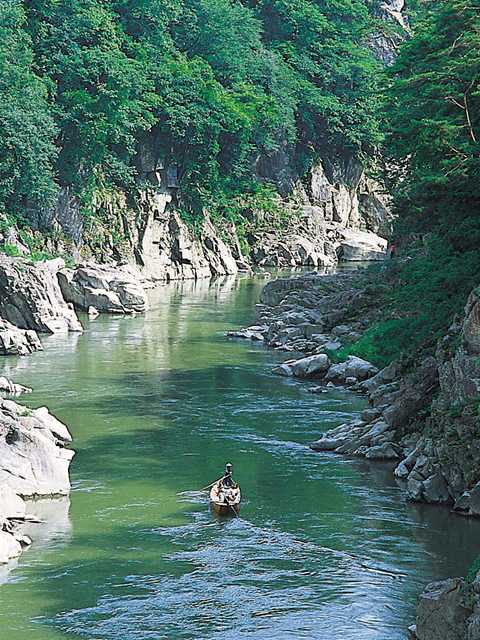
227,479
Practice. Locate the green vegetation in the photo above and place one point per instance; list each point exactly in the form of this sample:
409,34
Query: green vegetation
213,84
431,105
469,580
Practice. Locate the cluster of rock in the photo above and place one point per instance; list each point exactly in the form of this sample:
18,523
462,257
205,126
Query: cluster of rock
411,417
305,314
43,297
106,289
34,462
448,610
394,400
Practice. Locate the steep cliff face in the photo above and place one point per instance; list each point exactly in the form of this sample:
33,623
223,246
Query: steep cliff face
323,211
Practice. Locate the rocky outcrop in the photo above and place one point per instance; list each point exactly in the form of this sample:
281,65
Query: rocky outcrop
106,289
15,341
383,42
34,458
166,249
460,374
448,610
34,462
30,297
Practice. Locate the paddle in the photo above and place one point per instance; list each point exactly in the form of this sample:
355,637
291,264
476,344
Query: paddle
205,488
234,510
211,485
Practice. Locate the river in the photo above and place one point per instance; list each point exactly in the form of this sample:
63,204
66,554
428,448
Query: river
326,547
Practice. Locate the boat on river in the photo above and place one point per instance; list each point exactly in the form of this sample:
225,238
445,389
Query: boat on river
226,495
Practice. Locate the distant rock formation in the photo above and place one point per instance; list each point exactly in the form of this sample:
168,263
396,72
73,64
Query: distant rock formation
106,289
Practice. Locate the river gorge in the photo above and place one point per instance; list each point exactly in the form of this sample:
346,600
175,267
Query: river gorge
326,547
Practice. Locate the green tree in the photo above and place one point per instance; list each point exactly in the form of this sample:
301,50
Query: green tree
27,129
432,114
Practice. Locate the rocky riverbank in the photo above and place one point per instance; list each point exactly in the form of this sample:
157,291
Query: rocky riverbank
34,446
424,416
34,462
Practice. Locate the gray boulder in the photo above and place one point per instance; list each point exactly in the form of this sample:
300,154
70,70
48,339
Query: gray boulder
353,367
107,289
30,297
435,489
354,244
34,460
441,612
18,342
305,367
359,368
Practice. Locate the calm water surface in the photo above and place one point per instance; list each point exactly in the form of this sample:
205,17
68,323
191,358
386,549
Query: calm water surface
326,548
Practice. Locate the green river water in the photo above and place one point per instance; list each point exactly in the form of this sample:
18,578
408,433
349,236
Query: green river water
326,547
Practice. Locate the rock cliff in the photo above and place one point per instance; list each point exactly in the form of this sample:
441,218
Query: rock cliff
30,296
336,214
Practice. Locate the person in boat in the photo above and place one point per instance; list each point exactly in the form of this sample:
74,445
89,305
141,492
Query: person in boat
227,480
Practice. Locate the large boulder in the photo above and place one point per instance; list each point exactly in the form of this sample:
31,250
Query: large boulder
353,367
18,342
441,612
353,245
30,297
34,460
305,367
107,289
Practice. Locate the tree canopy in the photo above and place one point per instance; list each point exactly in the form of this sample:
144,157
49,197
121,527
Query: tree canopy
220,81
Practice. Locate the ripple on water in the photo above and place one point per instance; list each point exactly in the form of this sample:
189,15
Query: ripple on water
240,580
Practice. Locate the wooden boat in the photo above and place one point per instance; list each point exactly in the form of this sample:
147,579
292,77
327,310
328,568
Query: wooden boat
225,500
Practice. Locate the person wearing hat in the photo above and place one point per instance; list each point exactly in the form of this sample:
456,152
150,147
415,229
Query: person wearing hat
227,480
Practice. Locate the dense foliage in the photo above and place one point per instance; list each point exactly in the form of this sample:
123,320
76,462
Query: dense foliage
432,118
215,82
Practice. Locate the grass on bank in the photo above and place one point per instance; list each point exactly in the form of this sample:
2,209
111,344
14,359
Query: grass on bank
427,286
